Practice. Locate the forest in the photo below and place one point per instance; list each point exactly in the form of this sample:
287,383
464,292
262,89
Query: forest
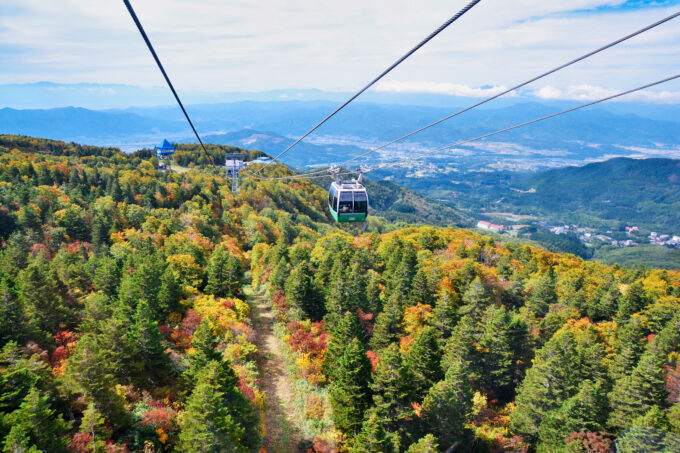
126,324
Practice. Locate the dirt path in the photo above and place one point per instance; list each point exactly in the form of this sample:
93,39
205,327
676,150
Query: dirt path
281,435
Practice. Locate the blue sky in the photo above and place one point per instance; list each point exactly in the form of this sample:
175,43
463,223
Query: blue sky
241,45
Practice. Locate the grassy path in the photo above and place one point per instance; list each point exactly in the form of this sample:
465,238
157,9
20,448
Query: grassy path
281,434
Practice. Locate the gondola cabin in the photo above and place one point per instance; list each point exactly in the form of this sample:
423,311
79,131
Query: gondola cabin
348,201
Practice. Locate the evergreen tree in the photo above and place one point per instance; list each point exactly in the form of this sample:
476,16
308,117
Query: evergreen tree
447,408
372,438
387,325
19,441
149,343
343,333
373,301
445,313
39,423
424,361
460,347
224,273
585,411
634,395
542,296
301,292
633,301
39,293
497,356
217,418
204,343
169,294
106,275
349,393
12,316
422,290
280,274
564,362
393,393
427,444
475,299
93,424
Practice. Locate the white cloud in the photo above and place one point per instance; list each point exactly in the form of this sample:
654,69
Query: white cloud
591,93
243,45
451,89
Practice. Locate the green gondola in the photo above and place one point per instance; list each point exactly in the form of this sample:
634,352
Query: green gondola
348,201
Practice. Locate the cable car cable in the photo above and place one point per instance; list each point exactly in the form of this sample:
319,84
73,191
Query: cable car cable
160,66
521,85
516,126
526,123
445,25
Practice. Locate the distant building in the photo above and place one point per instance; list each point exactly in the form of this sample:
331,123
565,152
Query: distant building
490,226
632,229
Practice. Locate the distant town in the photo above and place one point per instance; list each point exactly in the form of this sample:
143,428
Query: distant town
591,236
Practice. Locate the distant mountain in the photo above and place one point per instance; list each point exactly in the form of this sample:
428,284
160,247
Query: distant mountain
77,124
273,143
643,192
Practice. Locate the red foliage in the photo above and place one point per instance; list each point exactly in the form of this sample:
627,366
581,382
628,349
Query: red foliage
591,442
37,248
279,301
191,321
514,444
650,337
673,383
246,389
158,418
64,337
374,358
366,321
80,443
320,446
227,303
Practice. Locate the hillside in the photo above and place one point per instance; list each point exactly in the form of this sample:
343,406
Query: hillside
642,192
158,311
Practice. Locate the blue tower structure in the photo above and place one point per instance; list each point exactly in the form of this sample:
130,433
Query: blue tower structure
163,153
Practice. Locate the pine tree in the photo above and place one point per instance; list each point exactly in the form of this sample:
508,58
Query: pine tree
169,294
39,293
93,424
497,355
279,275
19,441
301,292
585,411
460,347
149,343
350,394
445,313
346,329
204,343
373,291
217,418
542,295
447,408
427,444
633,301
424,361
393,392
372,438
387,325
475,299
106,275
12,316
224,273
36,418
422,290
634,395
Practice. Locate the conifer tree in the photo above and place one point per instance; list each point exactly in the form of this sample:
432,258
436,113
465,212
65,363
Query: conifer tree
372,438
40,423
445,313
427,444
447,408
301,292
93,424
633,301
39,293
350,394
217,418
424,361
421,290
585,411
635,394
168,295
542,296
393,392
475,299
149,343
279,275
387,325
106,275
373,291
346,329
224,273
497,357
12,316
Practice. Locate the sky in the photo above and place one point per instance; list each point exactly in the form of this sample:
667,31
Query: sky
238,45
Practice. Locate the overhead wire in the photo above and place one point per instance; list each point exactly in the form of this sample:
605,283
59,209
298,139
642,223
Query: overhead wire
516,126
165,75
526,123
517,87
441,28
